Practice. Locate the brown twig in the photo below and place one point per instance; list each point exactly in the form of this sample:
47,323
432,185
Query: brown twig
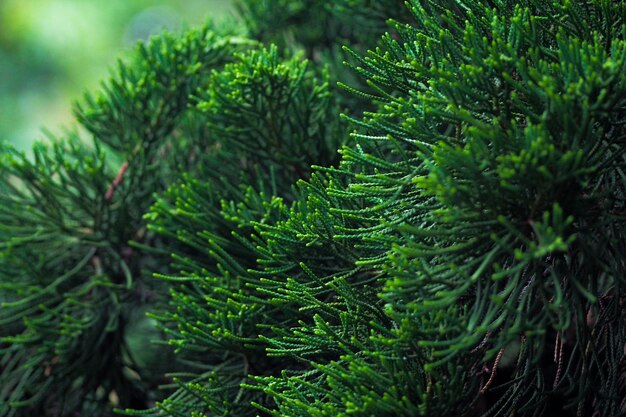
116,182
558,358
493,372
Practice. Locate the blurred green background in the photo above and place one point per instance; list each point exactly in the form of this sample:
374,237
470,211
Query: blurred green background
51,51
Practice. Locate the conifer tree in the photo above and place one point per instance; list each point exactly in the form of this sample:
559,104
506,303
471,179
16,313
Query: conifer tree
462,253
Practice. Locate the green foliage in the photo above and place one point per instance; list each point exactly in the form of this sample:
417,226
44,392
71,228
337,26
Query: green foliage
274,113
270,119
461,255
70,279
317,25
320,29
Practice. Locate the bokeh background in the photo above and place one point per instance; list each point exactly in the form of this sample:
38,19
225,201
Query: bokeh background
51,51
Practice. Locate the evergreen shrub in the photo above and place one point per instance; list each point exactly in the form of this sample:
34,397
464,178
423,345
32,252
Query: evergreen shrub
253,227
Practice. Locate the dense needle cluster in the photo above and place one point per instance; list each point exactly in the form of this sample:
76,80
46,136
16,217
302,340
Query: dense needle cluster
435,227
